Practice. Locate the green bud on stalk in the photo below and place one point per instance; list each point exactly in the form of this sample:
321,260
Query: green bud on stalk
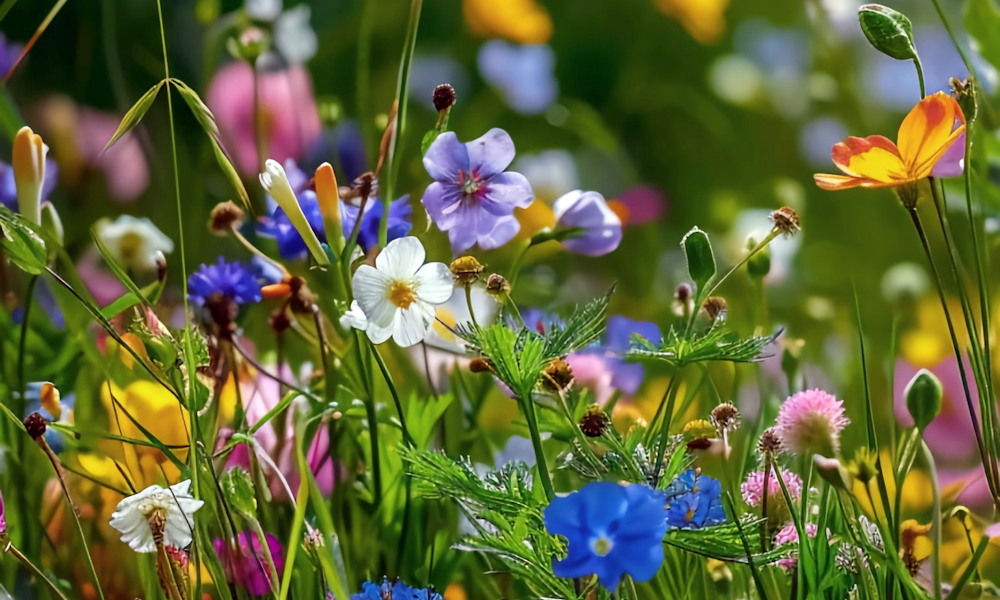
889,31
923,398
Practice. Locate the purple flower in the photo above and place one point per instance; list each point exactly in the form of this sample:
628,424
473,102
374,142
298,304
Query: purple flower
472,198
600,229
952,163
3,517
245,562
9,51
524,75
291,246
233,281
8,188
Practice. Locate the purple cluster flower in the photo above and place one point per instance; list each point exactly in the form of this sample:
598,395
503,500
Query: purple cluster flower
233,281
291,246
246,564
472,197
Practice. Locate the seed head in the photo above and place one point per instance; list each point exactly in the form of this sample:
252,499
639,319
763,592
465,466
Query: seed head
35,424
444,97
466,270
725,417
497,285
770,443
716,307
558,376
225,217
480,365
786,221
683,293
595,422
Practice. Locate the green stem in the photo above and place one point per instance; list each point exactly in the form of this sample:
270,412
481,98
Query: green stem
936,519
515,267
468,302
394,393
536,441
402,89
24,560
920,76
372,420
22,345
954,40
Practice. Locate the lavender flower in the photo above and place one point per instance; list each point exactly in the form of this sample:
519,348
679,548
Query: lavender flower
523,75
472,198
8,187
599,229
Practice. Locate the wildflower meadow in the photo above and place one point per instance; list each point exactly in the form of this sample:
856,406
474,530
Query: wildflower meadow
499,299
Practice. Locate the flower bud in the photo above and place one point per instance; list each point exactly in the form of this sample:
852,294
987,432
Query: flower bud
716,307
888,31
29,172
726,417
770,443
595,422
864,467
759,265
558,376
275,182
831,470
466,270
923,398
480,365
497,285
225,217
35,425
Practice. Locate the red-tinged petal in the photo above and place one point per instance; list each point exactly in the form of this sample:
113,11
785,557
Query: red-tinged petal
928,130
874,157
833,183
925,168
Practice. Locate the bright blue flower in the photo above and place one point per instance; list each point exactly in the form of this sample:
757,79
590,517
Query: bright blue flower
695,501
611,529
291,246
234,281
394,591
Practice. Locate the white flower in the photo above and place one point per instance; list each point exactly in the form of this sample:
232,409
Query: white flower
455,312
355,317
398,295
264,10
174,508
294,38
28,161
133,242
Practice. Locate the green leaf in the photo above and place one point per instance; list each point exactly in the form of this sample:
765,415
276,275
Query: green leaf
206,120
715,344
700,258
237,489
135,114
23,245
982,20
116,268
123,303
10,118
429,138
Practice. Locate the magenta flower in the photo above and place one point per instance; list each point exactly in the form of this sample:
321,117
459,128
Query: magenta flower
290,118
3,517
472,198
810,422
599,229
790,535
246,564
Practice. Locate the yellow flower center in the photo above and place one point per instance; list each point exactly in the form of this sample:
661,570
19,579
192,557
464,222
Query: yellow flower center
602,546
401,294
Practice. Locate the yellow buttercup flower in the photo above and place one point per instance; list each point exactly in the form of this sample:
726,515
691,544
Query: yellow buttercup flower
926,133
703,19
159,413
520,21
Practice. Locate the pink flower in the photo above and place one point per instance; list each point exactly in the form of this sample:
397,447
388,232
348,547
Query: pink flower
245,562
810,422
290,119
753,488
591,371
790,535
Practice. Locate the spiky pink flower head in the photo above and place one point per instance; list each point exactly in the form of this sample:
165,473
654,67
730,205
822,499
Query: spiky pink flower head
790,535
753,488
810,422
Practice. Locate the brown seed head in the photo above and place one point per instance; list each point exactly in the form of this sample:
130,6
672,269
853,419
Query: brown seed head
725,417
225,217
444,97
279,321
480,365
497,285
770,443
466,270
595,422
716,307
558,376
35,424
786,221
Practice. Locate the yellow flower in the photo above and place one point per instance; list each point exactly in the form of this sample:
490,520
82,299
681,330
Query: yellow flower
520,21
876,162
29,172
703,19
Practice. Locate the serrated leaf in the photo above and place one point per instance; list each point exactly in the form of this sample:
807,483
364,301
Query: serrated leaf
135,114
22,244
715,344
206,120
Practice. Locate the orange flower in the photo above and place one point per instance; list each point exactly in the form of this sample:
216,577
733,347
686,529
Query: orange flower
705,20
876,162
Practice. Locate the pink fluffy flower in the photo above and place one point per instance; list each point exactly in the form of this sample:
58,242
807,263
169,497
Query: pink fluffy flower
790,535
290,119
753,488
810,422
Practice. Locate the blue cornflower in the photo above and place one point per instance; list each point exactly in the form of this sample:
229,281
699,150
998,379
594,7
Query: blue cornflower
291,246
695,501
611,529
393,591
231,280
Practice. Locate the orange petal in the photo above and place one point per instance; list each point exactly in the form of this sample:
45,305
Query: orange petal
928,131
276,291
874,157
327,193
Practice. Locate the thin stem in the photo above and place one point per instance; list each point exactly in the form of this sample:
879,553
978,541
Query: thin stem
24,560
528,407
468,302
394,393
402,90
515,267
936,519
920,75
954,40
372,417
23,344
955,346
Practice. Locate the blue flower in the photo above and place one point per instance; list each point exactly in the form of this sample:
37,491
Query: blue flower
524,75
233,281
394,591
291,246
8,187
611,530
694,501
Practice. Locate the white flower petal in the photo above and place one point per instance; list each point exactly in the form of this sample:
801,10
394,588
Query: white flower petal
434,283
355,318
412,325
401,258
379,333
371,291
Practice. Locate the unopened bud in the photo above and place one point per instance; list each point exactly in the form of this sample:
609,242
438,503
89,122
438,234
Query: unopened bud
497,285
923,398
466,270
683,293
832,471
161,266
35,424
759,265
558,376
225,217
889,31
480,365
716,307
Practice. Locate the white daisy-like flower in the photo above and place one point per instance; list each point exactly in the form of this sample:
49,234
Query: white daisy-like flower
398,295
171,508
134,242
